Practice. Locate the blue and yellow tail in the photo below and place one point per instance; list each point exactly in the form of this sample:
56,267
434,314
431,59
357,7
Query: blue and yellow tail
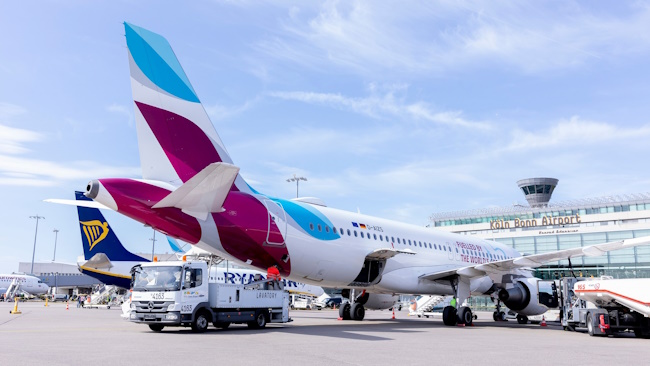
98,237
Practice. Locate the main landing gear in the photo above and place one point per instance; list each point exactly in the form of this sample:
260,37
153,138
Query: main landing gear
354,310
463,316
499,315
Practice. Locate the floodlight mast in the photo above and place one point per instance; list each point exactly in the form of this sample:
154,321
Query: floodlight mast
297,180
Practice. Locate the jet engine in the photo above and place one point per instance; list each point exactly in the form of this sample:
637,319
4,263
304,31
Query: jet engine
380,301
523,297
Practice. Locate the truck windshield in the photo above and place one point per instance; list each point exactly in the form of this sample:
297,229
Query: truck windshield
162,278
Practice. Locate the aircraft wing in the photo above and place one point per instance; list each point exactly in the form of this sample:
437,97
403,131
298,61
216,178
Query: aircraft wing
536,260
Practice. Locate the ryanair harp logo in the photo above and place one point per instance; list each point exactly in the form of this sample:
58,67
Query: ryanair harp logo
95,231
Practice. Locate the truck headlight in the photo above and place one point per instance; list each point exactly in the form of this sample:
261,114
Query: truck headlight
133,316
171,307
171,316
132,306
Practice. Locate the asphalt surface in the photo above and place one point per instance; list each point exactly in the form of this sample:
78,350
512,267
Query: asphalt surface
56,336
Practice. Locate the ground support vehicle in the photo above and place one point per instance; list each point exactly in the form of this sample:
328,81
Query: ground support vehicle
605,306
180,293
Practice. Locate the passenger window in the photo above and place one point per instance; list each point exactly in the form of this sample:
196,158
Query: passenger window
398,242
392,239
348,232
311,226
420,244
374,236
355,233
334,229
362,234
327,229
320,228
381,238
409,241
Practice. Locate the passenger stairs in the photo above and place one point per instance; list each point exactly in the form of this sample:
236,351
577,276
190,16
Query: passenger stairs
12,290
102,295
425,304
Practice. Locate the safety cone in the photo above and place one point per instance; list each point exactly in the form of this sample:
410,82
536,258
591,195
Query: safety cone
67,306
543,323
46,304
393,313
15,310
461,324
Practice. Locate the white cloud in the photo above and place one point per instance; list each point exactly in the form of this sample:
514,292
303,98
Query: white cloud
220,112
12,139
8,110
122,110
572,132
383,106
412,37
34,172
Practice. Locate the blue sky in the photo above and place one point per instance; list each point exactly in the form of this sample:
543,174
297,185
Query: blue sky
396,108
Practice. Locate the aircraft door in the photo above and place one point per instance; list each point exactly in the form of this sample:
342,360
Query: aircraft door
279,217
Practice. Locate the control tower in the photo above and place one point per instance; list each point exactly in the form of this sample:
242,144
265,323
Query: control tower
538,191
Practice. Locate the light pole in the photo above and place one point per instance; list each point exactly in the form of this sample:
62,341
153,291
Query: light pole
35,233
153,245
56,234
297,180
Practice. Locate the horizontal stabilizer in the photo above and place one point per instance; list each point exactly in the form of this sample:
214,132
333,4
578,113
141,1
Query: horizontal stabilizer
203,193
89,204
99,261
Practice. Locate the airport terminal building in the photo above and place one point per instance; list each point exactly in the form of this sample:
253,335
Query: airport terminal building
542,227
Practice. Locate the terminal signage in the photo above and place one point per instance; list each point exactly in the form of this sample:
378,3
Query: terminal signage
544,221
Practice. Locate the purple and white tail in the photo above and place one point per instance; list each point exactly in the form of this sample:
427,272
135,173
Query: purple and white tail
175,135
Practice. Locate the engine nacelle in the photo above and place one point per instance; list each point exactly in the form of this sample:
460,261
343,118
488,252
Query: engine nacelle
380,301
523,297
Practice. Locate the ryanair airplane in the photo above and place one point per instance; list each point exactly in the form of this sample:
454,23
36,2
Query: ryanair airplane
192,191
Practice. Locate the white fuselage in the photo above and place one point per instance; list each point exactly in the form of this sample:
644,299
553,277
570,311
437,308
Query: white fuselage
30,284
335,263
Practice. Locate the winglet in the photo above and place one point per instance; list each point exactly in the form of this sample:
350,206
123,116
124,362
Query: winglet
203,193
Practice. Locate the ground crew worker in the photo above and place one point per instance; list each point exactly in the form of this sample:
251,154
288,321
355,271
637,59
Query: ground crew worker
273,273
453,302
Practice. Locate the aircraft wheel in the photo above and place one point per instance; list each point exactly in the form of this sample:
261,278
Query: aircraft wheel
357,311
449,316
344,311
495,316
522,319
465,315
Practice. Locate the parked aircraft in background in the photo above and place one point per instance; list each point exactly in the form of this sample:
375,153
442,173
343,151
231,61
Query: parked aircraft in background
11,284
105,258
192,191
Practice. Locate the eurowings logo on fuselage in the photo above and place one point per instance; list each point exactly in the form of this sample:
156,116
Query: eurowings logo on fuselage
95,231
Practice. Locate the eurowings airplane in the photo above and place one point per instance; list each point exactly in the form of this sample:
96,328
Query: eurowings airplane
27,283
192,191
107,260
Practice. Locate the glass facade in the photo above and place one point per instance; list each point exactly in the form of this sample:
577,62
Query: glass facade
548,212
531,230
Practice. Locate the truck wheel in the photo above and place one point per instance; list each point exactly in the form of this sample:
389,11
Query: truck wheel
156,327
259,322
200,323
590,325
